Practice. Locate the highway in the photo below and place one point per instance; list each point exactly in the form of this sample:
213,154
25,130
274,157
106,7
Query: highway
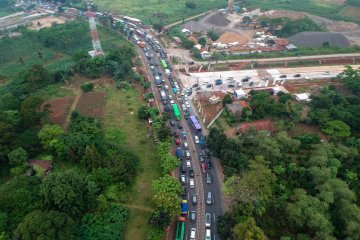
151,61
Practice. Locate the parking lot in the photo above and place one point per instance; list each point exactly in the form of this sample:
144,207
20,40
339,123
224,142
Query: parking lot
252,78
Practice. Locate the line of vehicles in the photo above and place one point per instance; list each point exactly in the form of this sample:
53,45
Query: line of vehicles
176,101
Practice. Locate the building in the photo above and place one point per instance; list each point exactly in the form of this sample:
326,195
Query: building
205,54
239,94
303,97
186,31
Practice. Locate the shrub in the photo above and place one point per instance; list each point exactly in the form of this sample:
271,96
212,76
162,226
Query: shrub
190,5
87,87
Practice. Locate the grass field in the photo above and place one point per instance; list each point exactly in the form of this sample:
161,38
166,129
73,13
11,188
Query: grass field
351,11
26,48
151,11
121,113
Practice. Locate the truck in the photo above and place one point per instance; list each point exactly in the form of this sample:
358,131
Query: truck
167,72
163,95
184,208
179,153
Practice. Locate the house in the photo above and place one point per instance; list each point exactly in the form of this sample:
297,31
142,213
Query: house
303,97
259,125
41,167
205,55
197,46
186,31
239,94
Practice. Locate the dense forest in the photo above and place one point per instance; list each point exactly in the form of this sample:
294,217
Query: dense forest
69,203
301,186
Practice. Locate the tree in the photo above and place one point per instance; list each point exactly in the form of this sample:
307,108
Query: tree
248,230
188,44
18,157
166,190
87,87
246,20
212,35
169,163
30,111
91,159
225,224
160,218
227,100
143,112
109,224
202,41
46,225
351,78
68,192
9,102
252,187
190,5
49,135
337,129
36,76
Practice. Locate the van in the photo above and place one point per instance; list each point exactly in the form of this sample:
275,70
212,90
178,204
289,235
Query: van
193,234
209,198
208,234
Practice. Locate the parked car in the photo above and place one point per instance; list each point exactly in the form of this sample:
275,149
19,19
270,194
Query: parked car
193,216
192,183
326,73
218,82
194,199
282,76
207,220
231,86
195,85
297,75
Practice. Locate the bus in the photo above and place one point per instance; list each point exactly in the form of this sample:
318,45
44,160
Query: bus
180,229
195,123
164,64
176,111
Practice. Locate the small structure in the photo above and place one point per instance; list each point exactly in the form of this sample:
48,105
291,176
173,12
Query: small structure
197,46
177,40
41,167
240,93
303,97
186,31
205,54
214,99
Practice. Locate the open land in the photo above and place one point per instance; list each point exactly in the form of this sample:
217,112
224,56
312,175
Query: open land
46,22
154,11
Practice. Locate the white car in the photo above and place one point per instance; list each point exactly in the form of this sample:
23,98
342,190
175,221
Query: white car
196,139
183,107
186,145
172,102
183,179
170,97
188,163
166,87
187,104
192,183
193,234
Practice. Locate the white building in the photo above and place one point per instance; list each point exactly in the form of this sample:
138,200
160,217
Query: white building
303,97
205,54
239,94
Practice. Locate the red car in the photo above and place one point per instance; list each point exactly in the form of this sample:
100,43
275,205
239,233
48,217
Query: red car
177,141
203,167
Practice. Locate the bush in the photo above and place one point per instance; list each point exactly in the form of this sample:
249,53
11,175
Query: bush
188,44
87,87
190,5
213,36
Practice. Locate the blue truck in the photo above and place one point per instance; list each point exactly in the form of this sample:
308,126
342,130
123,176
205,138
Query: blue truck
184,208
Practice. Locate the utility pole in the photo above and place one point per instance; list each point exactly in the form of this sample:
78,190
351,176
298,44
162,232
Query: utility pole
97,50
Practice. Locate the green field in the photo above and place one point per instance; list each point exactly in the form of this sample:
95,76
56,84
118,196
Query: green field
154,11
121,113
329,9
21,52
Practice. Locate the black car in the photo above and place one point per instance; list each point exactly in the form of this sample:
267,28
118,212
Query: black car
297,75
191,172
183,168
245,79
195,85
209,164
184,191
180,126
282,76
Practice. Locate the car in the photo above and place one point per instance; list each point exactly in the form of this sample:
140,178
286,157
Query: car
245,79
177,141
192,233
170,97
183,168
194,199
209,164
183,107
184,135
209,199
183,179
326,73
203,167
195,85
176,134
193,216
208,234
201,158
208,178
192,183
218,82
196,139
251,84
187,104
186,145
230,78
187,154
184,191
171,101
231,86
191,172
209,86
188,163
207,220
172,122
180,126
297,75
282,76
